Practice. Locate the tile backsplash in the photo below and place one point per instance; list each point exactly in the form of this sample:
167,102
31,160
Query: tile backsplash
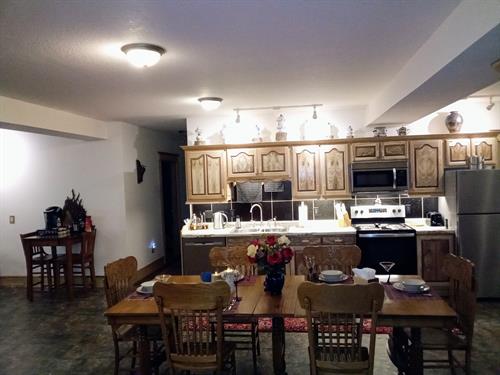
283,207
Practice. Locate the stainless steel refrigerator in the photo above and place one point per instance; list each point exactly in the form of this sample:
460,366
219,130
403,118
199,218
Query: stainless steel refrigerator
472,206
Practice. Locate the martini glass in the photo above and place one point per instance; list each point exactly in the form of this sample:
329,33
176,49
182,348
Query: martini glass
387,266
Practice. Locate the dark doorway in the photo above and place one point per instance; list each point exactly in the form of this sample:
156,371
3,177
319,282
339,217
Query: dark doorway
172,222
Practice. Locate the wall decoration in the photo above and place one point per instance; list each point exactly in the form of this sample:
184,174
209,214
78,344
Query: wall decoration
141,169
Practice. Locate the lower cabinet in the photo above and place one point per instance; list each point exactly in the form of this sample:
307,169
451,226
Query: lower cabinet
431,250
195,253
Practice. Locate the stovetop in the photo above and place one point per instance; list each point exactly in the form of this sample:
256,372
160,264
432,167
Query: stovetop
386,227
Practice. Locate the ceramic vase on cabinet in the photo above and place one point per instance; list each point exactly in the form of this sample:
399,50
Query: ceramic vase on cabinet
454,122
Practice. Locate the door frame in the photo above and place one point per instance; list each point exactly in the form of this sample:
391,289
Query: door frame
167,156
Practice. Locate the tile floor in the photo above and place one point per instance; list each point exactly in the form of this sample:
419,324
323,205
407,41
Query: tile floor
52,336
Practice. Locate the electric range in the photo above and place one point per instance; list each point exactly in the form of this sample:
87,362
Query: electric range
382,236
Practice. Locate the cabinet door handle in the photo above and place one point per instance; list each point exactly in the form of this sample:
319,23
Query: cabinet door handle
305,241
204,244
338,240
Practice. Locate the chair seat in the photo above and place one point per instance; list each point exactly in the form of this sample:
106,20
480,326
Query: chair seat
37,259
340,361
201,362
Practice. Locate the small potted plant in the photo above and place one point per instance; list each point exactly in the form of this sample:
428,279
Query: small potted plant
271,255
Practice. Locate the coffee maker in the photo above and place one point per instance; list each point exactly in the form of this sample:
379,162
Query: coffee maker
52,215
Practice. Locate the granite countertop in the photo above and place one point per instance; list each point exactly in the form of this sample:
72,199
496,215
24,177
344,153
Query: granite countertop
322,227
317,227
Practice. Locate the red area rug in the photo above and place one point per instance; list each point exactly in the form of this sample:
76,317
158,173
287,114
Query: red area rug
299,325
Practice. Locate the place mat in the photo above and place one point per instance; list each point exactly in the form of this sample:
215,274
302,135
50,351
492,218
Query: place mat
136,295
248,281
396,295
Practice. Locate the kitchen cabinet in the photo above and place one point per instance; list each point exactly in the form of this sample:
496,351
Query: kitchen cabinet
487,148
432,250
241,163
206,176
258,163
426,166
334,167
457,152
394,150
365,151
306,182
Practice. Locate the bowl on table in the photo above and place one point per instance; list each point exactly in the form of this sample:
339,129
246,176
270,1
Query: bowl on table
147,286
331,275
413,285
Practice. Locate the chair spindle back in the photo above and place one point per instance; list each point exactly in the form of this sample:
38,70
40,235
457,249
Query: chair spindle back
119,277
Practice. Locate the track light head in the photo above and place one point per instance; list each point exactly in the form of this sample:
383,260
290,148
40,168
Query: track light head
238,119
491,105
315,115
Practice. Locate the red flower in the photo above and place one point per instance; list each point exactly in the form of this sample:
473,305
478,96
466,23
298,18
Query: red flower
271,240
287,254
274,258
255,242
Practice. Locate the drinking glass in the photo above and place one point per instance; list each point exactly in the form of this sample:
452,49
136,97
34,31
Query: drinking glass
387,266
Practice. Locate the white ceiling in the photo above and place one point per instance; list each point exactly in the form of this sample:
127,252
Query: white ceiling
65,54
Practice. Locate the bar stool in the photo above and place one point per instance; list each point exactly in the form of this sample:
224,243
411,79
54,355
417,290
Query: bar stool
39,264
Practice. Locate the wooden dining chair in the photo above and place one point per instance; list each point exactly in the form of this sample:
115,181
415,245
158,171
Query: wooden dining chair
242,331
341,257
40,265
462,298
85,259
335,316
119,279
189,342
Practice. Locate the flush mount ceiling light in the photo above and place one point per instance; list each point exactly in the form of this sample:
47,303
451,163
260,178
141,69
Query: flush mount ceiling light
209,103
143,55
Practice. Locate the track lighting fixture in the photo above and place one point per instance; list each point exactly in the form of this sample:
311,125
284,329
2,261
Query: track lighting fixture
315,115
275,108
238,116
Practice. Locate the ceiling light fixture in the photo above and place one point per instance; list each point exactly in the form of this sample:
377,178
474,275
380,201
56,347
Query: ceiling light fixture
315,115
143,55
277,108
209,103
491,105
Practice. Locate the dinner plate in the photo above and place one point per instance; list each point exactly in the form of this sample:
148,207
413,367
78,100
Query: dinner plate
140,291
342,278
399,286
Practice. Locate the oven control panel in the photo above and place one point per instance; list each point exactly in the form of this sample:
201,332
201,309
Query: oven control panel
377,211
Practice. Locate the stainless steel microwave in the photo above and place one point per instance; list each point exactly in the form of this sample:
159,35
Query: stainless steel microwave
379,176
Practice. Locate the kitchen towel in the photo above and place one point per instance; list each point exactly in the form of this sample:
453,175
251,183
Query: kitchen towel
249,192
274,186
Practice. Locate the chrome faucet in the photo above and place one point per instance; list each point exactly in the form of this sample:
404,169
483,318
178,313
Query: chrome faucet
251,212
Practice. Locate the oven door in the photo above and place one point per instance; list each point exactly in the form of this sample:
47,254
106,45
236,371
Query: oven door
379,177
397,247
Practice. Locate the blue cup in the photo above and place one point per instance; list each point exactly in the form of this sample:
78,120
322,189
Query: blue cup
206,276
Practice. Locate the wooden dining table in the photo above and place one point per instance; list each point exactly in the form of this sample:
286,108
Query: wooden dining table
415,313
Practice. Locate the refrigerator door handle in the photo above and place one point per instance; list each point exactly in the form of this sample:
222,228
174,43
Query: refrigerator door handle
394,178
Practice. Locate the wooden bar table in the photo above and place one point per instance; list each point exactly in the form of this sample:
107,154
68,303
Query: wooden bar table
67,243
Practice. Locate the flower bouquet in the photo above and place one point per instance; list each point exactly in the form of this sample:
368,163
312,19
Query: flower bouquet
271,255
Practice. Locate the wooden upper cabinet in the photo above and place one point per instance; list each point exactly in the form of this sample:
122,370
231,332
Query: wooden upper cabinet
241,163
394,150
426,164
334,165
365,151
274,161
487,148
306,174
206,176
457,152
258,163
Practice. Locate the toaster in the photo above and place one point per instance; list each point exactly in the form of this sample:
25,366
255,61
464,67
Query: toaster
436,219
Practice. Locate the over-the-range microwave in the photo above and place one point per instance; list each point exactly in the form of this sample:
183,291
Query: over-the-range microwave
379,176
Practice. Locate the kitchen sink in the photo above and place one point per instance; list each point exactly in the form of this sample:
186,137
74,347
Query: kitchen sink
259,230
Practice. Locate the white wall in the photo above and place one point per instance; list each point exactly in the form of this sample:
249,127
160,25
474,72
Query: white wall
38,171
300,125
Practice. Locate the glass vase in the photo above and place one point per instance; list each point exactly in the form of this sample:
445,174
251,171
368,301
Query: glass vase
274,282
